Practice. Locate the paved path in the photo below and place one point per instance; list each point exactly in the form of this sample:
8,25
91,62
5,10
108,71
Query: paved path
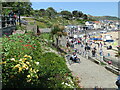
92,75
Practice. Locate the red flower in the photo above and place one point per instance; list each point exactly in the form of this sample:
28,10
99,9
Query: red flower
27,45
20,41
66,74
19,36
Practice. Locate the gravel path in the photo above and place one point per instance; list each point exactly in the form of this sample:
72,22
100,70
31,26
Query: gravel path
92,75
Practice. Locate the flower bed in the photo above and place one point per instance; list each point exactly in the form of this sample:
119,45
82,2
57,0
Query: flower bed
25,65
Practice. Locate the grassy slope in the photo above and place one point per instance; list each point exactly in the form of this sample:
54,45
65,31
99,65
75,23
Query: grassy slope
45,22
104,17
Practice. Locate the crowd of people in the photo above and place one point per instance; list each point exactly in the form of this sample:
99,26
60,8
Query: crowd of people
86,46
9,19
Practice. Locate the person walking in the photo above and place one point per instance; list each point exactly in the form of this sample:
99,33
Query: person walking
94,52
98,45
101,45
101,52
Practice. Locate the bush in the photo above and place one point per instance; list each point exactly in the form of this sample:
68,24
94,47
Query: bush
25,65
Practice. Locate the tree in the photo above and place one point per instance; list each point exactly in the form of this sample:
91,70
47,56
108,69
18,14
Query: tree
42,12
85,17
51,12
77,14
57,32
66,14
24,7
80,14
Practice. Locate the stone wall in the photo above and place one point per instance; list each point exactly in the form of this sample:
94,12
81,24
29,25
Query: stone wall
7,30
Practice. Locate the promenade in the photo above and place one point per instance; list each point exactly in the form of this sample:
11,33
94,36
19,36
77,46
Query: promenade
92,75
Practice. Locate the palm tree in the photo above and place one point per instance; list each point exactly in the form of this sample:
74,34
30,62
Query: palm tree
57,32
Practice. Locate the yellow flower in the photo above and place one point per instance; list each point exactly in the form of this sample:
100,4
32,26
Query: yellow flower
21,59
31,69
37,70
34,71
28,76
29,80
20,69
25,55
24,66
25,59
16,66
12,59
27,63
3,62
27,68
36,76
28,56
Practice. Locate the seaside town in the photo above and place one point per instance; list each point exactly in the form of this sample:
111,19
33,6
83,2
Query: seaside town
49,49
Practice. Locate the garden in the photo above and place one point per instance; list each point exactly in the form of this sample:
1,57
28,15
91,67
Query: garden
26,64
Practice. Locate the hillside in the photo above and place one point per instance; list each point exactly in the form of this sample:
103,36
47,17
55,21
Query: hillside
45,22
103,17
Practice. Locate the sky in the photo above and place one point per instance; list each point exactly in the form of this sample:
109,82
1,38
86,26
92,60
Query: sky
91,8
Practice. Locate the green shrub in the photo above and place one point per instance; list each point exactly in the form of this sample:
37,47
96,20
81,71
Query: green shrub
25,65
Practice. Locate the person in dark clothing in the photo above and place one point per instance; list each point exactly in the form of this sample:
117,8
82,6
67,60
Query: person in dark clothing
118,81
98,45
85,48
93,52
109,47
74,57
68,44
38,31
8,20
